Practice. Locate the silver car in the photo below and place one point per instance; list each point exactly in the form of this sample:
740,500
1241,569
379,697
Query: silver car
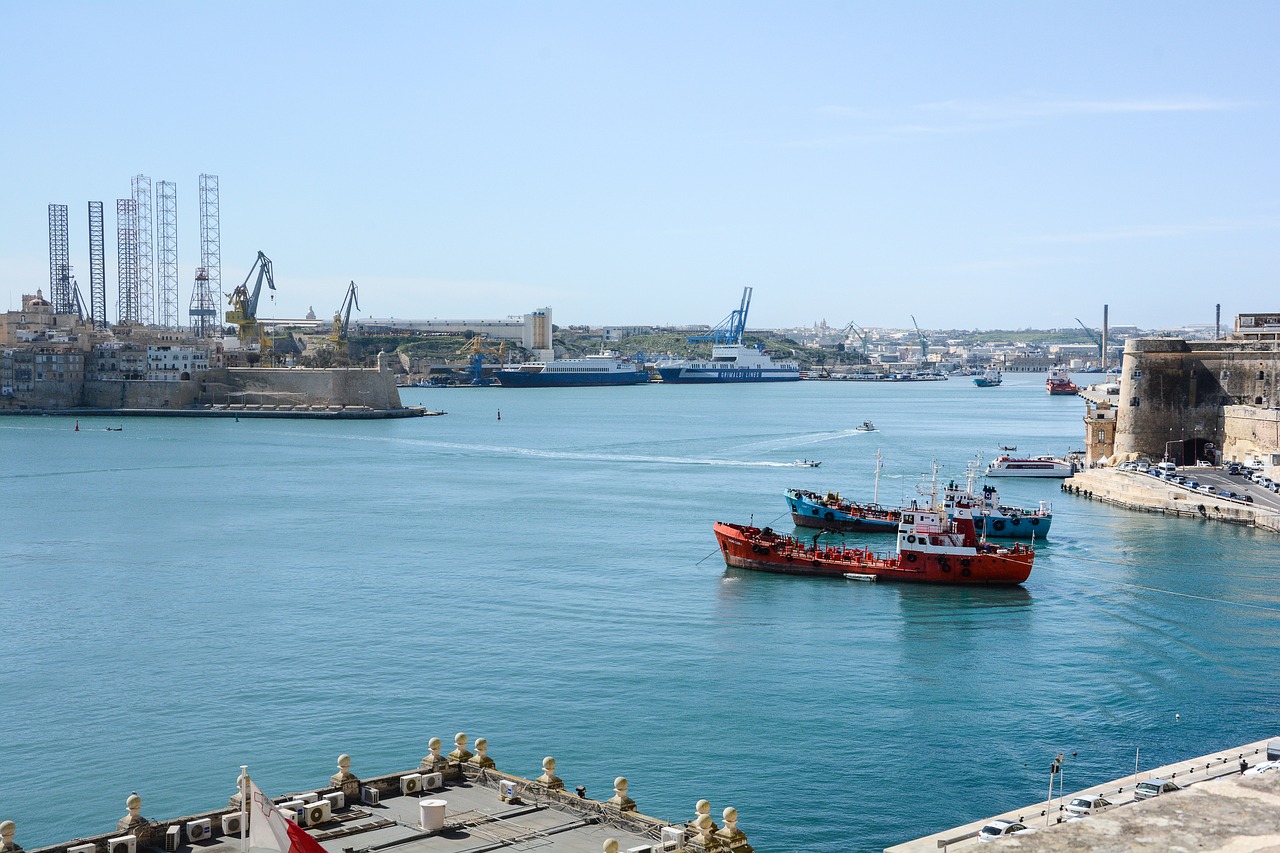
1002,829
1082,806
1154,788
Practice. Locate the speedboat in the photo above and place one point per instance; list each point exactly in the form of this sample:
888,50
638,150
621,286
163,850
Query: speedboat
807,463
866,426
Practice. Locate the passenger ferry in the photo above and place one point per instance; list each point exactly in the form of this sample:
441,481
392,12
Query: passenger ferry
1036,466
731,363
605,368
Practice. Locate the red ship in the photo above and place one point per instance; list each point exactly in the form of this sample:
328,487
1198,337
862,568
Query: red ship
1059,382
930,550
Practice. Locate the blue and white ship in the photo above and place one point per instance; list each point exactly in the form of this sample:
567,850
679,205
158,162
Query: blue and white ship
731,359
989,379
606,368
731,363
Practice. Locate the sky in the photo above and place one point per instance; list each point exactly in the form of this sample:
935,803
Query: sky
974,164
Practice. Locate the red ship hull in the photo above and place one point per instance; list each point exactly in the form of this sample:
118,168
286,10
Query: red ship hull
766,551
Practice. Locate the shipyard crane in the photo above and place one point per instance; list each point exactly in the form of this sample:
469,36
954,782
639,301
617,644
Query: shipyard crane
855,329
1095,338
477,350
342,317
244,305
731,329
924,342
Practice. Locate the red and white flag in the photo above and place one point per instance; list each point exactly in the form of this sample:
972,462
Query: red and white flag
269,829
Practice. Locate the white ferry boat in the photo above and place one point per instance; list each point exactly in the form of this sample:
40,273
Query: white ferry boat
1036,466
605,368
731,363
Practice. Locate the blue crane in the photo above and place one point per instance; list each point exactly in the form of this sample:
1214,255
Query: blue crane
731,328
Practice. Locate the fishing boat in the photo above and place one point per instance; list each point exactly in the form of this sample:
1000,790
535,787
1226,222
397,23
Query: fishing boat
866,426
604,368
807,463
1059,382
930,549
1035,466
989,379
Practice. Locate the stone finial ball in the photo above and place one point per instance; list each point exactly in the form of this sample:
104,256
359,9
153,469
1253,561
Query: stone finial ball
730,815
344,761
702,807
548,763
434,743
620,784
134,802
610,845
460,738
481,743
7,829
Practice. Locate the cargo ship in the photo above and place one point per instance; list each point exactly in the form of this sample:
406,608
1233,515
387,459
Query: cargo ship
731,359
1059,382
990,378
930,549
605,368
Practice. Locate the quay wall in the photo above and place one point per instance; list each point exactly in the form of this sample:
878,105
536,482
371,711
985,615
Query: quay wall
137,394
1147,494
374,389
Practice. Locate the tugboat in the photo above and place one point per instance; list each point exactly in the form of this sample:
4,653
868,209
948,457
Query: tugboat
1059,383
930,550
989,379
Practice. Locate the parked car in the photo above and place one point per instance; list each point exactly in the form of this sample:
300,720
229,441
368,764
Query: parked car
1088,805
1233,468
1154,788
1191,484
1264,767
1203,463
1206,488
1002,829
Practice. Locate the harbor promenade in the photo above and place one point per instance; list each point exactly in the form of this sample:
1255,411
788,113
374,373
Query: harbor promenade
1050,820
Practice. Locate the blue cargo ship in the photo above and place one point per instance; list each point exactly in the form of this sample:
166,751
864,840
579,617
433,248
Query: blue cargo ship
731,359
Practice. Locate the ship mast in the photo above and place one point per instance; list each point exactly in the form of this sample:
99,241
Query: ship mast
875,497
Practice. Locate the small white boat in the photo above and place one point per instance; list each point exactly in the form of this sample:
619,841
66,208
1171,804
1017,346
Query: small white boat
858,576
866,426
807,463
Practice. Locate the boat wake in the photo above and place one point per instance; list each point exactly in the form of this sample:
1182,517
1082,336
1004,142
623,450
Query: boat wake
588,456
799,440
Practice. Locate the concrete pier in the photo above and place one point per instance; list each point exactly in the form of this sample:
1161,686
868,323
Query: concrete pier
1133,825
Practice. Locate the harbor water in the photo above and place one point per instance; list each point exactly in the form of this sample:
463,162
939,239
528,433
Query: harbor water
185,596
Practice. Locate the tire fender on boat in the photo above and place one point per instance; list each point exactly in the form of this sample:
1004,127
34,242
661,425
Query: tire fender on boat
910,556
829,515
998,524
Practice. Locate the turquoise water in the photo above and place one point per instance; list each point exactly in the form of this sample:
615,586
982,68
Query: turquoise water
183,597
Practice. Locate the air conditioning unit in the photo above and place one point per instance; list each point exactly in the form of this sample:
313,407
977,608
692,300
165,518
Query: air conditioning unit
199,830
123,844
318,812
368,795
232,824
411,784
432,781
672,837
292,809
309,797
83,848
507,791
643,848
172,839
336,800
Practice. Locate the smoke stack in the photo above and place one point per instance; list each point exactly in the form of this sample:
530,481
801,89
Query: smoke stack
1217,321
1104,337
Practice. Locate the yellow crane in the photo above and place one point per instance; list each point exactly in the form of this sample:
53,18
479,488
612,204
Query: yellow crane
244,304
476,350
342,318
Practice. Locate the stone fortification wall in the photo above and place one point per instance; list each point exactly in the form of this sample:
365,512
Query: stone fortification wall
1175,391
1252,436
137,394
46,395
264,386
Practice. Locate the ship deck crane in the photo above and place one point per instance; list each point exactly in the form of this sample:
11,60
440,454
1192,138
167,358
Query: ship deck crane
924,342
244,304
342,317
731,329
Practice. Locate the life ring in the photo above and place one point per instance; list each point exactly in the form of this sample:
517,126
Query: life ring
829,515
911,539
965,573
911,556
998,524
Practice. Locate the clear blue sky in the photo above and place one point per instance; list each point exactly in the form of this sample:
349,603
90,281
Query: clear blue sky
988,165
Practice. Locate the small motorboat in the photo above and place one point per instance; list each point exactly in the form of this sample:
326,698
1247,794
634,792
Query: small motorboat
115,429
807,463
866,426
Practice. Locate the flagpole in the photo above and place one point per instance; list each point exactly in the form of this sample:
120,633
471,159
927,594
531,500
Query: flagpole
244,808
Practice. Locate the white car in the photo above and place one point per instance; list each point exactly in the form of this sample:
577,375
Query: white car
1206,488
1264,767
1154,788
1081,806
1002,829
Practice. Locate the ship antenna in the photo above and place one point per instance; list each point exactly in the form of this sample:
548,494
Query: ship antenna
875,498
